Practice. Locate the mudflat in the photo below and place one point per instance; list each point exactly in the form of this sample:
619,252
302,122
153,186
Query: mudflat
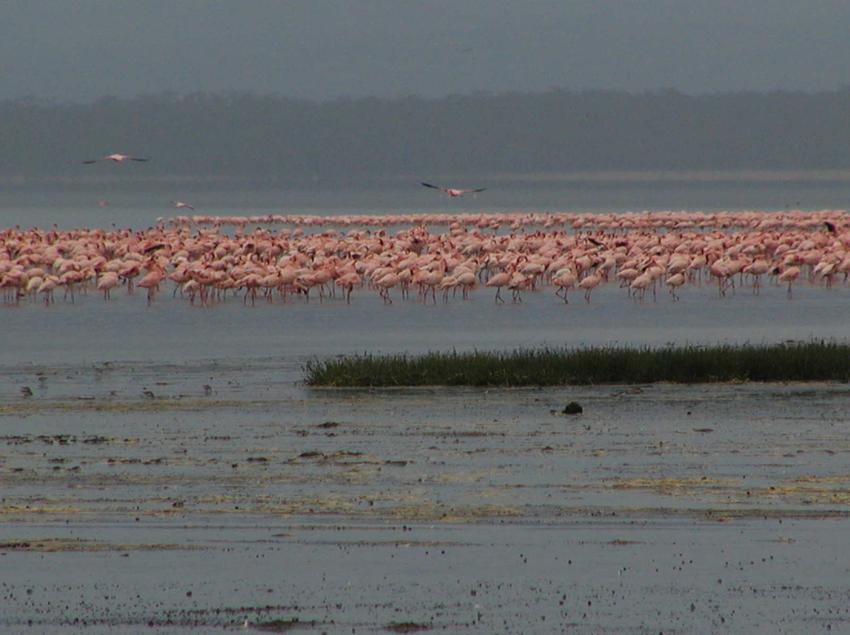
217,496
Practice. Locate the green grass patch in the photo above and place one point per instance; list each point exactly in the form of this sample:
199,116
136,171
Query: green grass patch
811,361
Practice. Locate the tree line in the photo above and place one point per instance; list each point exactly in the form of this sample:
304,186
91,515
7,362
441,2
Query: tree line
275,137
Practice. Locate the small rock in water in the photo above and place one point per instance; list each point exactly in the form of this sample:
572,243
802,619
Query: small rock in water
572,408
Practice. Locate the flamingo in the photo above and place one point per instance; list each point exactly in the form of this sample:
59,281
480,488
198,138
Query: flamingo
789,276
116,158
151,282
517,285
466,280
639,285
674,282
589,284
347,282
757,269
565,280
387,282
107,282
182,205
47,287
453,191
430,280
632,250
499,280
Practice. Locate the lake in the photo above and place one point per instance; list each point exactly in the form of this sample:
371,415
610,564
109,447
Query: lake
169,473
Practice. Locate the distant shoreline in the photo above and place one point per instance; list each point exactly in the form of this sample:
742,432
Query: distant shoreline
600,177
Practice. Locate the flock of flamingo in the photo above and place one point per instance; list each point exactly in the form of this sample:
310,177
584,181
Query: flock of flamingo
206,259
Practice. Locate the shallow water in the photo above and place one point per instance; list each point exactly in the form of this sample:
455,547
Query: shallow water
660,508
124,329
172,330
170,473
138,205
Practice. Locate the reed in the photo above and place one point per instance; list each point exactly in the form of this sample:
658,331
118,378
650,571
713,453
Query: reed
809,361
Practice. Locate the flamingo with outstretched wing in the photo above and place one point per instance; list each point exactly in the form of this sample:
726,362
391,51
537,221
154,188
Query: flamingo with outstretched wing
453,191
116,158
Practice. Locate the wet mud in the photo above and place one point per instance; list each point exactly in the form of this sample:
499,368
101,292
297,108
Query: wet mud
258,505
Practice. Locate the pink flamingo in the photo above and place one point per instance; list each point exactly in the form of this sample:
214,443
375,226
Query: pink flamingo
564,280
789,276
347,282
151,282
47,287
116,158
640,284
632,247
518,284
107,282
430,281
589,284
674,282
498,281
466,280
453,191
757,269
386,283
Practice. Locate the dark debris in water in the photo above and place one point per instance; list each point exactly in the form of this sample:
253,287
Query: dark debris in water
620,542
572,408
283,626
54,439
407,627
333,456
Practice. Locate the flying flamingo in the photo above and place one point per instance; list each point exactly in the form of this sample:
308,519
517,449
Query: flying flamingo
117,158
182,205
453,191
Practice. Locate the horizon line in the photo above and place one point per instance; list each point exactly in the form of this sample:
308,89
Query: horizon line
648,92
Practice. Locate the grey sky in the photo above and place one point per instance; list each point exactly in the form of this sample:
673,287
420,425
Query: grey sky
82,49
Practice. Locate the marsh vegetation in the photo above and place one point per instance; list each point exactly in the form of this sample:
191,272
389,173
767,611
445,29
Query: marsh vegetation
809,361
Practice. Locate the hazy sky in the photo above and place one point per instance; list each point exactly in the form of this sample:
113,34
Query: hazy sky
83,49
